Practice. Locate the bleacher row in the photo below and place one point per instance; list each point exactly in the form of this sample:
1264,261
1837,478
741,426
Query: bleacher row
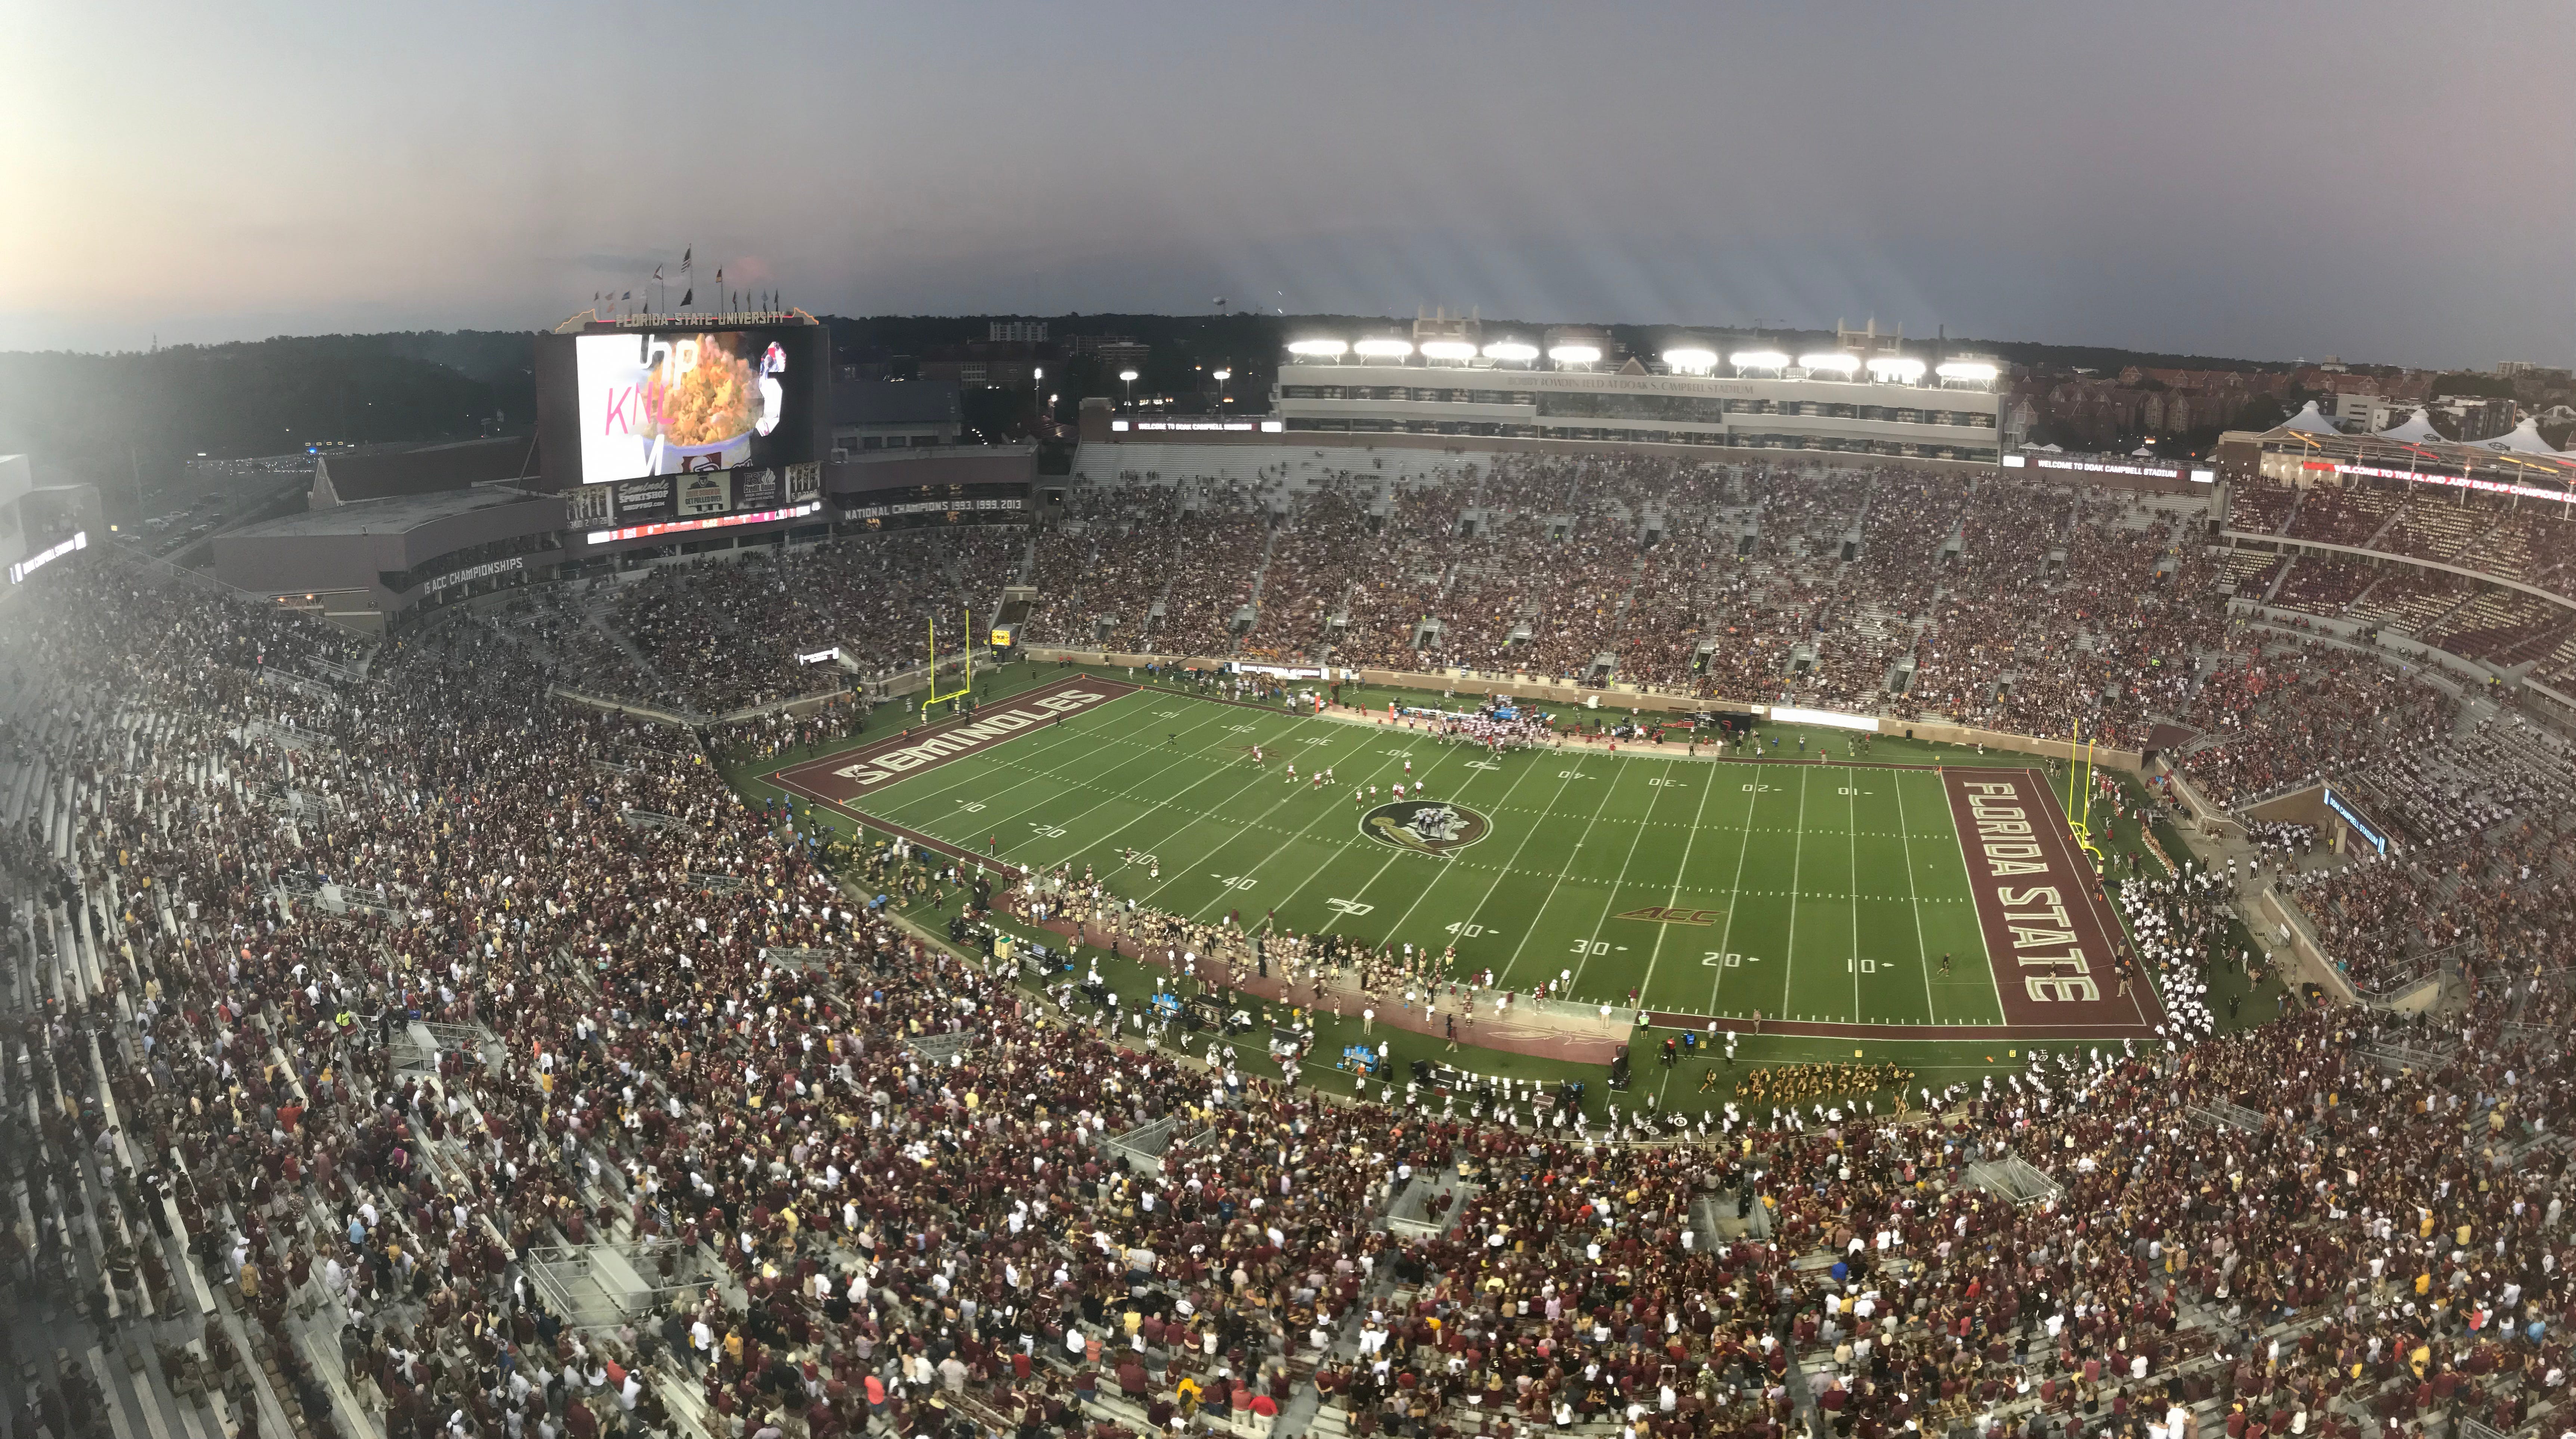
2526,542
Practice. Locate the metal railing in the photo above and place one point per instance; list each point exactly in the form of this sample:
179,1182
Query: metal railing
2015,1180
2219,1113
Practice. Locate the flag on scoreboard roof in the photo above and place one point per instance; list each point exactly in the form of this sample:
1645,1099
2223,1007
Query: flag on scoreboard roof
686,296
657,272
684,259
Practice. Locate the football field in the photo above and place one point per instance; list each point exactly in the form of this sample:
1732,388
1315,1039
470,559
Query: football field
1829,898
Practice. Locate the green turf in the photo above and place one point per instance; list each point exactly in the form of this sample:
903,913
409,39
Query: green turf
1822,891
1937,1060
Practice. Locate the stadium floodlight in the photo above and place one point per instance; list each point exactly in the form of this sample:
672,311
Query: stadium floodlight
1974,372
1576,354
1691,361
1383,349
1895,369
1758,360
1838,361
1319,349
1514,352
1458,351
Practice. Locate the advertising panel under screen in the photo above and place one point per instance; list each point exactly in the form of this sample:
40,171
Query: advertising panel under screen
685,401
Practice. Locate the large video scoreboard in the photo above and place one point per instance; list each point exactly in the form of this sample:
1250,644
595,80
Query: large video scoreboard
665,425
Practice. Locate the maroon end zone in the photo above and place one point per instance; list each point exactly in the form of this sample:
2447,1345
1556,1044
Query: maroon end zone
844,779
2049,931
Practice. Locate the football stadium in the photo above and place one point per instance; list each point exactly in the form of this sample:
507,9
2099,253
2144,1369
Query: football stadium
1296,928
1203,728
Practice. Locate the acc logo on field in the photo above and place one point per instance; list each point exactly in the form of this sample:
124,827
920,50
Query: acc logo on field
1425,826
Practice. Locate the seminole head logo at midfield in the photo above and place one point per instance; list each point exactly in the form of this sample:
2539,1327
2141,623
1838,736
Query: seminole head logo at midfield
1425,826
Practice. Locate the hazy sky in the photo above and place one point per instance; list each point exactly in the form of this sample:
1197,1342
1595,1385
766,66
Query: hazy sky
2390,183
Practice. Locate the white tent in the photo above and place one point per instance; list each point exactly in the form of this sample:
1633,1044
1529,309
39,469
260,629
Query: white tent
2415,429
2523,439
2309,422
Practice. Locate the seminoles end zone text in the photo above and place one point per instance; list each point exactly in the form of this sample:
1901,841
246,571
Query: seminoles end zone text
845,776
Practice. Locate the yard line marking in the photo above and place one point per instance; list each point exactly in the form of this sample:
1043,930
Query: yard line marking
1646,986
1073,787
1301,832
1610,901
1389,936
1066,777
1922,951
1797,859
1851,792
894,813
1968,872
1735,896
1260,773
1149,809
1510,964
1346,845
1380,873
1487,897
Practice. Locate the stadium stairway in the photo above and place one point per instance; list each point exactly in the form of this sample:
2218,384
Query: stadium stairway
1261,572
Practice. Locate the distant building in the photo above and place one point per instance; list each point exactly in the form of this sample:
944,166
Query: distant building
981,363
1115,352
2363,410
1016,332
2472,417
893,415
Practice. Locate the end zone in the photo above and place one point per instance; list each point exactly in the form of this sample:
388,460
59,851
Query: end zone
2049,932
844,778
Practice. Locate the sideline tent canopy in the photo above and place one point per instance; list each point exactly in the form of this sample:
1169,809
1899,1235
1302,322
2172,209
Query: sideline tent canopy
2415,429
2523,439
2309,422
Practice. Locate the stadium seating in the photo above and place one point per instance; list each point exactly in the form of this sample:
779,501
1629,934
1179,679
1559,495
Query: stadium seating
540,1005
490,1068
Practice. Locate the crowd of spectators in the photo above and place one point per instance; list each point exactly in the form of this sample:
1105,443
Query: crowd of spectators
719,636
872,1179
2506,537
2007,602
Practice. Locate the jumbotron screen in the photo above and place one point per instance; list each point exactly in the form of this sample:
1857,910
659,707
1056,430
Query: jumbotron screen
683,400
